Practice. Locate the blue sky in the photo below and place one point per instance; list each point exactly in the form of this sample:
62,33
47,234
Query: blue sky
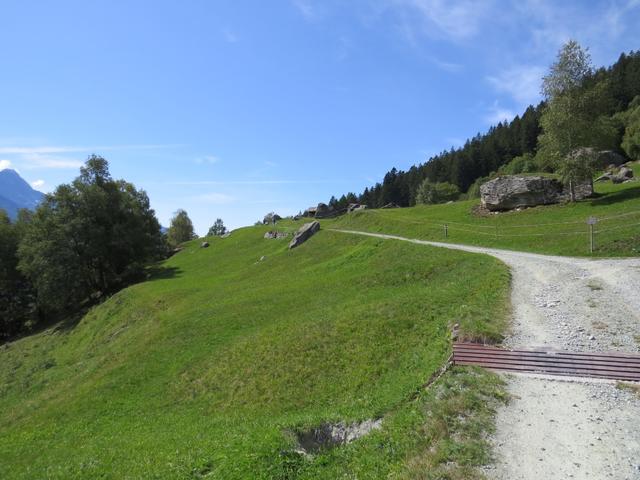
236,108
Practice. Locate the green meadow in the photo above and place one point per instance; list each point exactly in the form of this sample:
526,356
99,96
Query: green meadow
551,229
210,367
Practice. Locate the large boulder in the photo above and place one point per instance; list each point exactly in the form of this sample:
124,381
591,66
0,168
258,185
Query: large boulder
323,211
275,235
304,233
603,158
354,207
310,212
513,191
624,174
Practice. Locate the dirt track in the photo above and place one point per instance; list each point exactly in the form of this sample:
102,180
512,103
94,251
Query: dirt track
558,428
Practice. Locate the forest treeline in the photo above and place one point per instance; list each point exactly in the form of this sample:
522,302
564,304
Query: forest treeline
485,154
85,241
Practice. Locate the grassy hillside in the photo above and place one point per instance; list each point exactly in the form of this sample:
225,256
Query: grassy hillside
553,229
203,369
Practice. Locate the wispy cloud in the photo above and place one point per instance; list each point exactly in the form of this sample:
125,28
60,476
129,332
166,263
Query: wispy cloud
521,82
207,160
230,36
452,19
447,66
215,198
5,164
79,149
254,182
37,184
40,160
498,114
307,8
455,141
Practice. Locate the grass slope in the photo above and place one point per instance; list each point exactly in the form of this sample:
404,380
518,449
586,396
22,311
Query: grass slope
553,229
201,371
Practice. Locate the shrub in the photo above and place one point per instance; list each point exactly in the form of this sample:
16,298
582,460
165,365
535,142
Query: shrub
441,192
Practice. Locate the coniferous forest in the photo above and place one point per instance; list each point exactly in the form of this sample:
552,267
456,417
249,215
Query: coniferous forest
484,154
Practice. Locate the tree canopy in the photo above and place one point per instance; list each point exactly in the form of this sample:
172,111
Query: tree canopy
88,238
181,229
217,228
607,91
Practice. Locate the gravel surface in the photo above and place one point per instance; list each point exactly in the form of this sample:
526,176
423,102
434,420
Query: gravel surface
559,427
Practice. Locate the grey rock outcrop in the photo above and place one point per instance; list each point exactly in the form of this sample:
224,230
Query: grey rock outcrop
603,158
304,233
275,235
625,173
310,212
323,211
616,175
204,245
513,191
390,205
354,207
331,435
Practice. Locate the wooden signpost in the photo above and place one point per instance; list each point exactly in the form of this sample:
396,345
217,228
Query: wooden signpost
591,221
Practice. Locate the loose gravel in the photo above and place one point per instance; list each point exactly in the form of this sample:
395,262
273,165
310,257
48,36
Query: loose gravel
564,427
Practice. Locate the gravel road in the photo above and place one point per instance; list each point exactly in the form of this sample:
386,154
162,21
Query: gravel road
559,427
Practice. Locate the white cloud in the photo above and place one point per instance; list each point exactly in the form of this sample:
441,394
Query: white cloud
207,160
522,83
215,198
448,66
307,9
5,164
453,19
77,149
37,184
256,182
230,36
39,160
499,114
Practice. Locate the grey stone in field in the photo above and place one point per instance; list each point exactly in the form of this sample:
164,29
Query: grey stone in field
304,233
204,245
512,191
323,210
353,207
625,173
310,212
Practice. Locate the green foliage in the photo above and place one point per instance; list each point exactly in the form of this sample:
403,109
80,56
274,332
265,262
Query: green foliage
441,192
525,163
202,371
181,229
568,72
631,139
474,189
16,294
612,89
217,228
575,116
552,229
88,238
579,166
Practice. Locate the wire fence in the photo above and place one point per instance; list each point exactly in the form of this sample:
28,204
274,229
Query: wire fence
591,228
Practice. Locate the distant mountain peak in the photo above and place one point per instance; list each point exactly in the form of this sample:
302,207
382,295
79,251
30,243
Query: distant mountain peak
16,193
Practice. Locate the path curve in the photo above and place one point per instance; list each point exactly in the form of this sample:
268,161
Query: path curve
557,428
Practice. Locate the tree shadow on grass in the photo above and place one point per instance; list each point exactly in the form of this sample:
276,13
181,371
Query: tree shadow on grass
616,197
160,272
